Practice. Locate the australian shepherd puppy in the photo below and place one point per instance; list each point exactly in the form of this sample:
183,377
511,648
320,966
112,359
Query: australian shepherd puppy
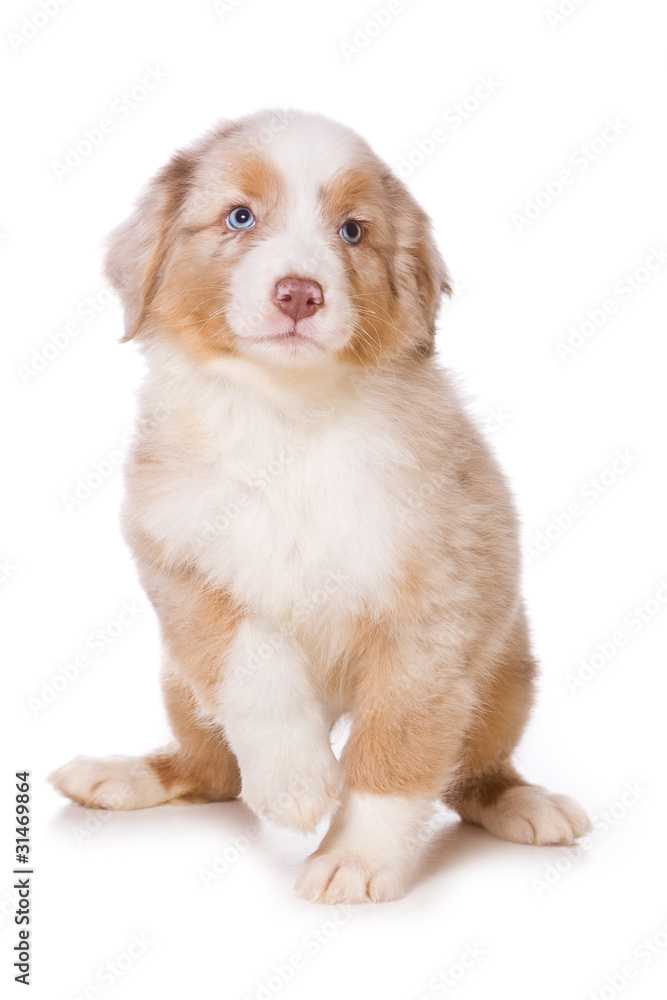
318,524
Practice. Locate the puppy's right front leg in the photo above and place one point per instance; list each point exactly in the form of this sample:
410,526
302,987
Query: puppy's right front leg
277,729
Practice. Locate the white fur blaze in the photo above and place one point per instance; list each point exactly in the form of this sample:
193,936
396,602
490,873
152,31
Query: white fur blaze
278,731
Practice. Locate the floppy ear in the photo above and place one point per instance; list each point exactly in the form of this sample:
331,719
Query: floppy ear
421,274
137,248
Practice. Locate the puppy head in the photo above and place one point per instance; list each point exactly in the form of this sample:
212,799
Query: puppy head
283,237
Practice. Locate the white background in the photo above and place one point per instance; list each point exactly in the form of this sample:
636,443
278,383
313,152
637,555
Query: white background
521,287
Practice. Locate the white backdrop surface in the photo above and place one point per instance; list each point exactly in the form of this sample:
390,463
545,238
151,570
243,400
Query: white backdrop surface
533,133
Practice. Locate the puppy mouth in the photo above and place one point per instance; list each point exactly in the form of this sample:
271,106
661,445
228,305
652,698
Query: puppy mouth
291,338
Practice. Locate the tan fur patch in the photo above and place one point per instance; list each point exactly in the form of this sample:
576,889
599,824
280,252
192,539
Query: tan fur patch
358,194
198,622
191,302
395,274
257,179
202,763
406,729
484,770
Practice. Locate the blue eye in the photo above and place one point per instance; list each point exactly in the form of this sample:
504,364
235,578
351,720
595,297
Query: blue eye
240,218
351,232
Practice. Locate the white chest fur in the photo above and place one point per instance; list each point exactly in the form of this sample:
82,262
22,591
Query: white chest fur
290,511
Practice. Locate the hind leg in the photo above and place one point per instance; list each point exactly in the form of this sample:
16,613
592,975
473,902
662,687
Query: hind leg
198,623
200,767
487,789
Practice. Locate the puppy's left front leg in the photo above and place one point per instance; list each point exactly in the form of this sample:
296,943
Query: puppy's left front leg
406,733
278,730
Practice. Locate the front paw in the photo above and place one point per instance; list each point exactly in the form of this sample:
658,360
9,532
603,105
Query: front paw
369,852
344,876
295,798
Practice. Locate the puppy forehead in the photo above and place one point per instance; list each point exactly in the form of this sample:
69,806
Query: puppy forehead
312,151
307,160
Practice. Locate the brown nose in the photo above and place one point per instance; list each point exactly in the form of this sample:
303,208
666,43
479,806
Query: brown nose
299,297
